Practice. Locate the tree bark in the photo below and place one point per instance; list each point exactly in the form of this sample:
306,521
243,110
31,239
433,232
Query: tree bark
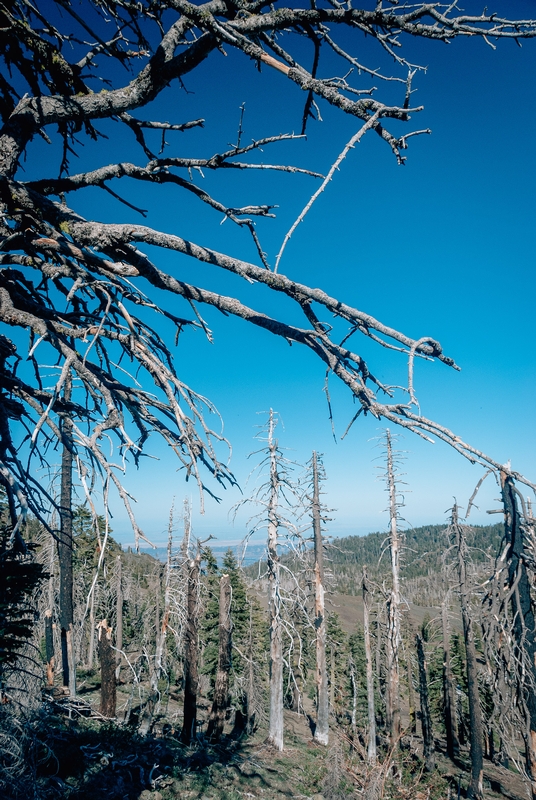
119,616
275,728
449,697
393,635
49,648
108,665
65,554
91,643
524,629
321,734
411,698
426,719
49,626
221,688
191,655
476,732
370,674
250,708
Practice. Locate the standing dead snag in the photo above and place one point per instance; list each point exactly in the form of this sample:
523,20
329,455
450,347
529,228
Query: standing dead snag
393,605
517,529
191,653
322,721
108,666
426,719
49,624
457,534
221,688
370,672
274,496
65,551
161,628
275,730
449,696
119,614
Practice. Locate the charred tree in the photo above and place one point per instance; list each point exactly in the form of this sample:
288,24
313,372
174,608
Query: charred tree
449,695
65,552
108,665
91,634
191,654
426,718
524,630
250,706
220,702
161,627
49,623
119,615
321,734
411,697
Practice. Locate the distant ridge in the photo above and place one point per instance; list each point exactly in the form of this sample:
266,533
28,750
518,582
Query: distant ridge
424,551
254,552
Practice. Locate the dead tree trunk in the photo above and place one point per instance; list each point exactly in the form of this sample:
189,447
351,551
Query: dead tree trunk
370,674
161,626
49,625
107,664
65,554
411,696
476,733
393,632
524,630
119,616
250,706
91,635
275,729
191,654
351,669
221,688
426,719
449,697
322,720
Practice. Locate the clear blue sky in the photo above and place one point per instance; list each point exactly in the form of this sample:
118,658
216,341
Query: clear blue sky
442,247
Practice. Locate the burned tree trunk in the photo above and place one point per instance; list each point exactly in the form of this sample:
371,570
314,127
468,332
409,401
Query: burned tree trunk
161,627
250,706
322,720
221,688
393,632
449,697
65,554
476,733
91,635
49,647
411,697
119,616
49,625
107,665
191,654
426,719
370,674
524,630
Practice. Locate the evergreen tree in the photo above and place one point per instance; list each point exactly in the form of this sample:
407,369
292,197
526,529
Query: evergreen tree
20,575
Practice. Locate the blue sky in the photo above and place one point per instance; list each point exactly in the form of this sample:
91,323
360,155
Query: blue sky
442,247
